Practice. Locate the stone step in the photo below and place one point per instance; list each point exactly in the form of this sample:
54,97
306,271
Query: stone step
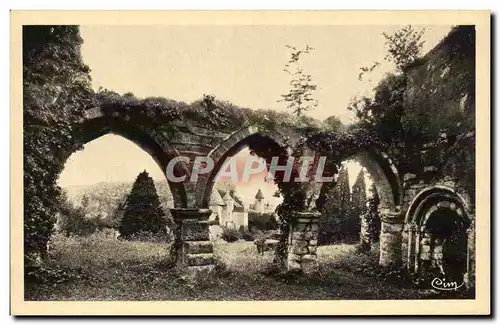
199,259
199,247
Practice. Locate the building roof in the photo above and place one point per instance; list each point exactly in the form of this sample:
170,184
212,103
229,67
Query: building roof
240,209
216,198
228,197
259,194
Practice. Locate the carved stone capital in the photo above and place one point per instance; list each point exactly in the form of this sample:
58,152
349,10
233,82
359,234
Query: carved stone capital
306,217
187,215
388,216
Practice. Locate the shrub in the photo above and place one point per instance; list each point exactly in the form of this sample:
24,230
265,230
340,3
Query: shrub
143,211
73,222
264,221
247,235
230,234
151,237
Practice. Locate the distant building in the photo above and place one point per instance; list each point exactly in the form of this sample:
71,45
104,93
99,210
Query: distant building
259,206
227,212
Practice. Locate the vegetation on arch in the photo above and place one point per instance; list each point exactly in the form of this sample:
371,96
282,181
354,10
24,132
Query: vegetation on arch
208,112
404,117
56,92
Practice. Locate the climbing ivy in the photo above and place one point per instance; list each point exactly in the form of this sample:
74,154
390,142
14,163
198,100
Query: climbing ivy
56,91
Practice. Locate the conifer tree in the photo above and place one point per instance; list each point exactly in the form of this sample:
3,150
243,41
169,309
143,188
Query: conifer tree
143,212
373,216
345,191
358,204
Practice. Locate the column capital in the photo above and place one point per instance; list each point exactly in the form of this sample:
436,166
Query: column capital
306,216
389,216
190,214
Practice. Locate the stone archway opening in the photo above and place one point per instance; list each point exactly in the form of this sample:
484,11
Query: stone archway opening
377,227
216,210
438,240
153,144
97,182
260,146
239,191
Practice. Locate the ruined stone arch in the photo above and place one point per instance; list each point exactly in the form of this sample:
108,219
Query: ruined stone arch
385,177
156,145
247,136
430,198
438,218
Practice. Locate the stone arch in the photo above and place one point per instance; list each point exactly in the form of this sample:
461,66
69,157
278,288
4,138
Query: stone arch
438,193
437,222
156,145
247,136
385,177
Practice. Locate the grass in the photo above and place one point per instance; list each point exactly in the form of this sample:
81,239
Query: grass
110,269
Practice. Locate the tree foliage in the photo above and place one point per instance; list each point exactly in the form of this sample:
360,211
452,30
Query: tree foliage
404,46
424,104
358,195
143,212
56,91
299,98
72,220
373,215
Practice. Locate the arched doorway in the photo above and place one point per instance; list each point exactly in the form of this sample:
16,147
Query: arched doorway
437,241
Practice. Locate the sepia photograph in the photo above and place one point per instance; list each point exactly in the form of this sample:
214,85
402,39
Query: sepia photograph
258,157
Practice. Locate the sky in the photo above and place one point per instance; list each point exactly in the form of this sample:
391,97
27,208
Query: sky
241,64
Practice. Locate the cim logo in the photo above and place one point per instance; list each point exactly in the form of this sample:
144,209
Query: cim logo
441,284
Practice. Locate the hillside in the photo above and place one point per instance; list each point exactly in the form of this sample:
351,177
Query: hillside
104,198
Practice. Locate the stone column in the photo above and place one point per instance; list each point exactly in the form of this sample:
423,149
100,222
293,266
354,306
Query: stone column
411,244
470,276
391,235
192,246
365,234
303,242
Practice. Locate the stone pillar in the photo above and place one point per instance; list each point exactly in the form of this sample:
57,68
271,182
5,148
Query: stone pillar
391,235
470,276
365,234
303,242
192,246
411,246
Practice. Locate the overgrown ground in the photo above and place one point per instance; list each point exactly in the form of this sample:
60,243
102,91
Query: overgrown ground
95,268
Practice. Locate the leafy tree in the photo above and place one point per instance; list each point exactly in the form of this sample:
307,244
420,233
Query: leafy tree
333,123
299,98
143,212
56,91
262,221
404,46
385,114
85,202
72,219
